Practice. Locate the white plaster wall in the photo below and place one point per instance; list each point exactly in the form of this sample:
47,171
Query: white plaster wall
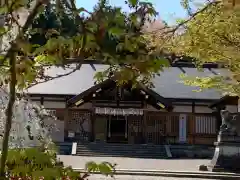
202,109
52,104
232,108
186,109
182,109
54,99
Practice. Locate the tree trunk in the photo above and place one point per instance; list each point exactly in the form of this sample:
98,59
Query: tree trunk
9,112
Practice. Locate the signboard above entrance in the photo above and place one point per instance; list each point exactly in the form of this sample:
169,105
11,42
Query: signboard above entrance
121,112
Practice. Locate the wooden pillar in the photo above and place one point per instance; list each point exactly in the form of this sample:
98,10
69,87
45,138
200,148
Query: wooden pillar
217,114
144,130
42,101
93,119
169,124
193,107
191,128
66,119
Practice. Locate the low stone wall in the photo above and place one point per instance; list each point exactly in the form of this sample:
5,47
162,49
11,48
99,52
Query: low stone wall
192,151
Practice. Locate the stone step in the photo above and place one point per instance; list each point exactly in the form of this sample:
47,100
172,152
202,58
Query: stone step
64,148
123,155
115,150
120,145
121,150
127,150
120,154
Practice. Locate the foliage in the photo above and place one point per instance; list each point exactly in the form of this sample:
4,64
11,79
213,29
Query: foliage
50,23
34,163
107,35
211,35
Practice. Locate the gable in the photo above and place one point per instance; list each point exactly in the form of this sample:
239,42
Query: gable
138,94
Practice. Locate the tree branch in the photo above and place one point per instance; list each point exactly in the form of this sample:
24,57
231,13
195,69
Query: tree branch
9,112
50,78
174,29
11,54
28,22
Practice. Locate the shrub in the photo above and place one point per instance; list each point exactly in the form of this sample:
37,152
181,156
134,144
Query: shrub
34,163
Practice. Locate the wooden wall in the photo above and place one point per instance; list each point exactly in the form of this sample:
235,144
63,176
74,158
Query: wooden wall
200,128
156,127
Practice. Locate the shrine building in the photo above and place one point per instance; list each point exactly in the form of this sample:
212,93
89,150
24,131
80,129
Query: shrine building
171,112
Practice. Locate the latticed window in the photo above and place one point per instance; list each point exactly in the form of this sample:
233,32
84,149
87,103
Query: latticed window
205,124
156,127
150,137
135,127
58,113
79,121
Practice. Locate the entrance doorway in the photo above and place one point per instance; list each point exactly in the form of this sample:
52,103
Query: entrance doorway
117,129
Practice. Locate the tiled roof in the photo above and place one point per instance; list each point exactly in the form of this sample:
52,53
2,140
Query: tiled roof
170,84
167,84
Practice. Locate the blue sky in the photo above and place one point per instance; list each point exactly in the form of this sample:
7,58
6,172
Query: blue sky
169,10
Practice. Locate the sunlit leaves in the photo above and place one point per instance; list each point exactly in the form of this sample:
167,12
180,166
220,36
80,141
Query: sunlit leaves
116,31
104,168
2,31
212,36
133,2
3,9
107,34
35,164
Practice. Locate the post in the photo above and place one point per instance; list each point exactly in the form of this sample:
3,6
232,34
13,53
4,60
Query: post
182,128
109,127
126,125
66,118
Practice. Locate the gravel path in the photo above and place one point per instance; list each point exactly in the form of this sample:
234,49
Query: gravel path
127,177
136,163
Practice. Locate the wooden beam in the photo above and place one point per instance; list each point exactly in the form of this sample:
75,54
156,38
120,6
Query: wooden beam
193,107
42,100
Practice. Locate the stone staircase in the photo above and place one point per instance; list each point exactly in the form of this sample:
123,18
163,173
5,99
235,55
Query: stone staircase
121,150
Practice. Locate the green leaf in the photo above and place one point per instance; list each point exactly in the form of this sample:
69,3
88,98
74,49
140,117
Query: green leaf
116,31
133,2
79,10
3,9
105,169
2,31
91,167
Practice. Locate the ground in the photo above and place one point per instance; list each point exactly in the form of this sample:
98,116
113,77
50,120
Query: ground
127,177
138,164
79,162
